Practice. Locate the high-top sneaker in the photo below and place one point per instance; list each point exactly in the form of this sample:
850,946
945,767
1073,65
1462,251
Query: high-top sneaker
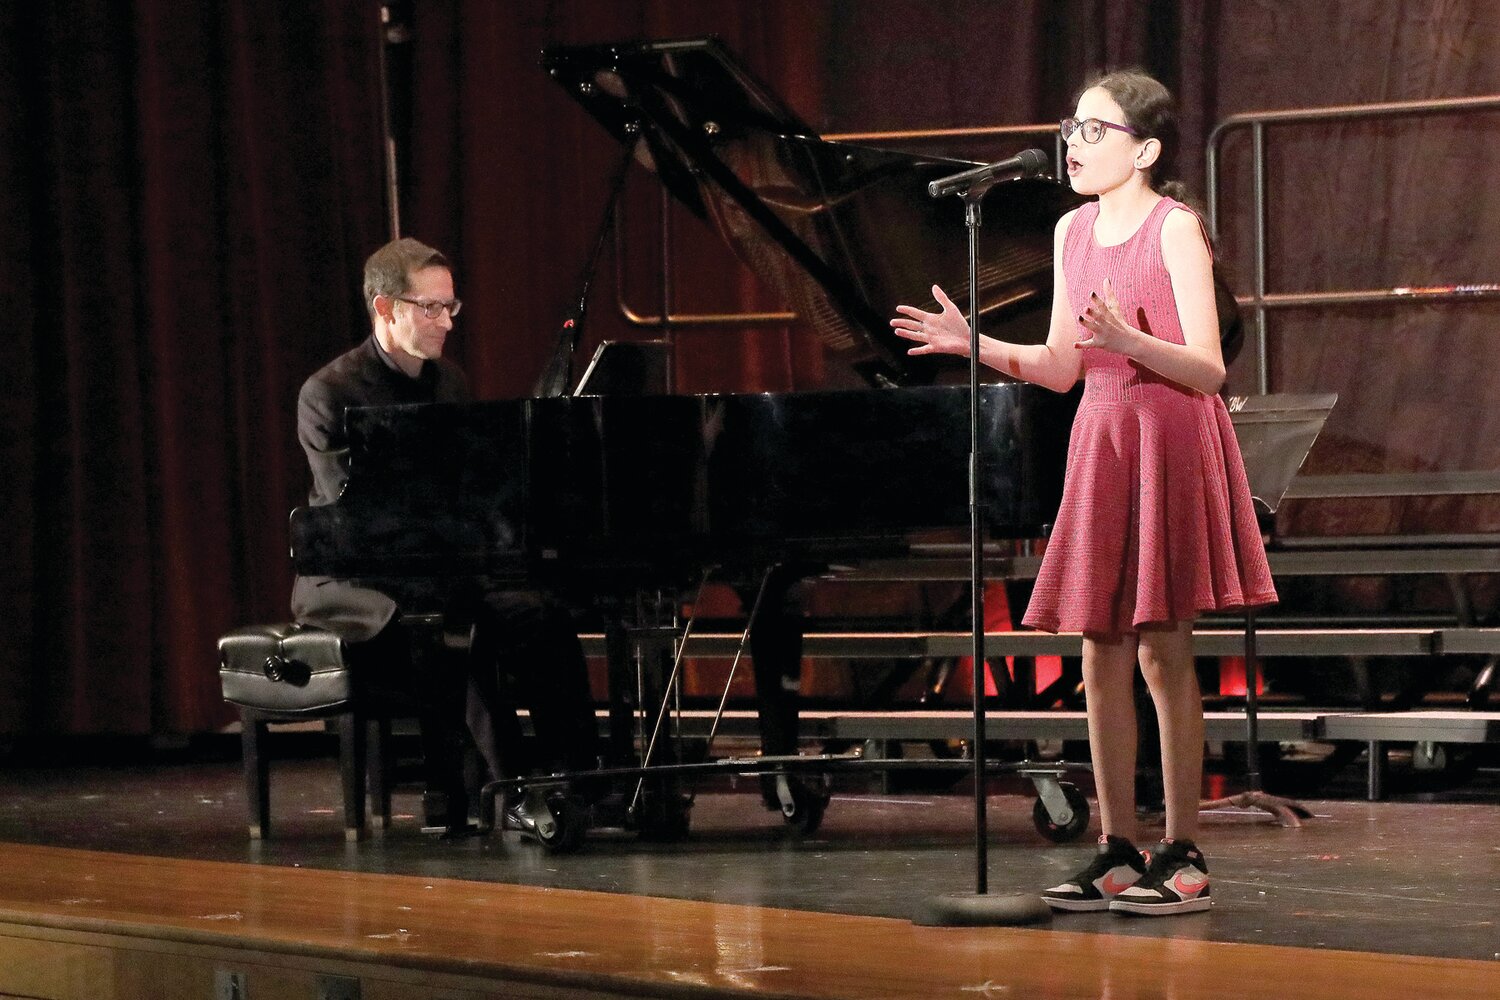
1175,882
1116,867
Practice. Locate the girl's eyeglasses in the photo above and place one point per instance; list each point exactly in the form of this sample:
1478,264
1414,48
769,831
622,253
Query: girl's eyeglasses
1092,129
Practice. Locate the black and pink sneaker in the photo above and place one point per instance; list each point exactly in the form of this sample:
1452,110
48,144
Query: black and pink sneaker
1116,867
1176,881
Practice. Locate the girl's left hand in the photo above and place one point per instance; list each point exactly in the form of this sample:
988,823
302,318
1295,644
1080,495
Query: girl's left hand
1105,323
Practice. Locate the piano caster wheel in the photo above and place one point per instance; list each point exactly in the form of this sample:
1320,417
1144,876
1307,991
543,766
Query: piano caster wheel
1074,827
662,817
802,802
570,821
554,820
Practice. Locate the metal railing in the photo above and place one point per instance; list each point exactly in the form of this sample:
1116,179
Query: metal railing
1261,301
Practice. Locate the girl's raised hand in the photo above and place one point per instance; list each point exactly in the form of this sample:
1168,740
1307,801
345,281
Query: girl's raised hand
946,332
1104,322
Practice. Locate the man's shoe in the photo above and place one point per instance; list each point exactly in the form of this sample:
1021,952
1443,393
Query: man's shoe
1116,867
446,815
1175,882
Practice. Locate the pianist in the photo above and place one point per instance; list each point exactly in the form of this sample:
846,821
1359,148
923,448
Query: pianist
522,642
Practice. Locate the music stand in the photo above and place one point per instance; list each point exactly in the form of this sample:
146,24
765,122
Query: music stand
627,368
1275,433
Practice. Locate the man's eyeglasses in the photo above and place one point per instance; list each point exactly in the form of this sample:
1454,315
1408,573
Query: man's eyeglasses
1092,129
433,308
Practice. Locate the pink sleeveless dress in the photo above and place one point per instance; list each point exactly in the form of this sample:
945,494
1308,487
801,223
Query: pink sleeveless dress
1156,523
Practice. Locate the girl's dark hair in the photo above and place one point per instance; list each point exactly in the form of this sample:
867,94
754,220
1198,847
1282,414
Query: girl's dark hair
1150,110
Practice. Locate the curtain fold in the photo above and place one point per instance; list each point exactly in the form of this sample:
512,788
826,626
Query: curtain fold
196,187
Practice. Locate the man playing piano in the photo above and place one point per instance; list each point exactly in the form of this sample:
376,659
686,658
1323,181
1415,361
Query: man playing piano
522,637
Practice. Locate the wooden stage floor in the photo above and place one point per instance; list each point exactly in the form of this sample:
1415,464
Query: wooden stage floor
138,881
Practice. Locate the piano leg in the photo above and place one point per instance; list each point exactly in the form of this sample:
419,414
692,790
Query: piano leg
776,653
620,661
639,659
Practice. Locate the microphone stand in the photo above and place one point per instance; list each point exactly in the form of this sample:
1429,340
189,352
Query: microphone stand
972,221
980,908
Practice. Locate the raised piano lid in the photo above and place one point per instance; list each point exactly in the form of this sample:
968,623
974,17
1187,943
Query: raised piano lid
845,232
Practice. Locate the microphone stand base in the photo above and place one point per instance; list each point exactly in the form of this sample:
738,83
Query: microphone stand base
973,909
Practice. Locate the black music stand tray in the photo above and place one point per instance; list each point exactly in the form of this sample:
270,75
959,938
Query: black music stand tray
628,368
1275,433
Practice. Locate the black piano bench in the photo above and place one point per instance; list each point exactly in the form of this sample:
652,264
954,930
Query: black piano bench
290,673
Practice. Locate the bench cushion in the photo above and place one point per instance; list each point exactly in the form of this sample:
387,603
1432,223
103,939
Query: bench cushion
286,667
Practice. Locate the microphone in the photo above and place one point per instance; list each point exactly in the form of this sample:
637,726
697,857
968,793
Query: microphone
1027,163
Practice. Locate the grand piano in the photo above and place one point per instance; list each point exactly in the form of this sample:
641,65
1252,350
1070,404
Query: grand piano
607,497
604,493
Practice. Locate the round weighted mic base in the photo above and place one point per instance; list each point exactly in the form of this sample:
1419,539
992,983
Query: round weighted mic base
979,908
975,909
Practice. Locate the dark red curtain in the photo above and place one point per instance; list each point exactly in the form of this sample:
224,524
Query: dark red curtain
1365,205
187,193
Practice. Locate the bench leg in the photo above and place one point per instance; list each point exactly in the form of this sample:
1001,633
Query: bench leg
351,730
257,774
377,751
1375,776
